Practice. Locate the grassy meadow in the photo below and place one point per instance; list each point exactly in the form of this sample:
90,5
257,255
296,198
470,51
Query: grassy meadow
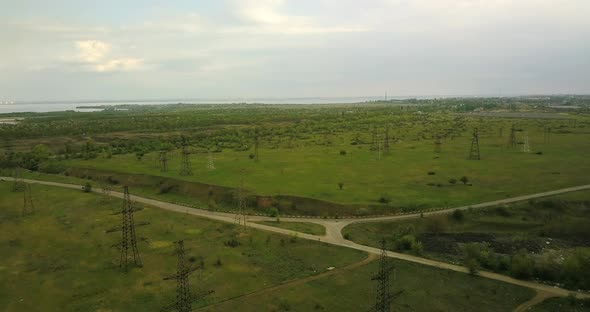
410,177
60,258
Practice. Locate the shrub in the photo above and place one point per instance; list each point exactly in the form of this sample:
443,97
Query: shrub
458,215
502,211
522,265
87,188
453,181
342,153
233,243
166,188
52,167
273,212
431,173
385,199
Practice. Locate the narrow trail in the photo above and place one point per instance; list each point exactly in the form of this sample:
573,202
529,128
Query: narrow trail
370,258
540,297
334,227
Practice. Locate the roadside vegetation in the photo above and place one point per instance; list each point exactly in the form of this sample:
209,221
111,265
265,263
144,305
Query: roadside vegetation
545,239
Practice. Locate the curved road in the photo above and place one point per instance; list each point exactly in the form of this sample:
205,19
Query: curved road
334,228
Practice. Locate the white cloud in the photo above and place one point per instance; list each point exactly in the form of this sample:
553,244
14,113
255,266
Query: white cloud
92,51
267,17
118,65
94,54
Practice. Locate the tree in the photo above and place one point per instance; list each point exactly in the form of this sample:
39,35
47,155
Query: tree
87,187
340,185
464,180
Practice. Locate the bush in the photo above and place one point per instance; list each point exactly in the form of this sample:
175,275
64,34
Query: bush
385,199
273,212
502,211
166,188
233,243
458,215
87,188
575,269
453,181
431,173
52,167
522,265
342,153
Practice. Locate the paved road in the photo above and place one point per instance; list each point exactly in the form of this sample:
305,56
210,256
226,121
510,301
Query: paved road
334,227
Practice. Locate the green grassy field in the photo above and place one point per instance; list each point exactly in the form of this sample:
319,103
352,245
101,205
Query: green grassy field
60,259
304,227
401,177
425,289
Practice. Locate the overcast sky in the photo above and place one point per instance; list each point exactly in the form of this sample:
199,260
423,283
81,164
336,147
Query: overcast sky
140,49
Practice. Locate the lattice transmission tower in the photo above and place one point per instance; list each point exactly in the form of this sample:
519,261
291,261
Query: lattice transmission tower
241,217
184,297
474,150
386,141
526,146
384,297
547,135
128,243
163,161
210,164
256,144
18,183
185,164
512,138
28,205
437,144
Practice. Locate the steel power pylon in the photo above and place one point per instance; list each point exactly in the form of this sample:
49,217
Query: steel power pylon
437,144
16,186
185,165
210,164
128,243
386,141
512,138
547,135
184,297
28,206
163,161
526,146
384,296
474,150
256,143
241,217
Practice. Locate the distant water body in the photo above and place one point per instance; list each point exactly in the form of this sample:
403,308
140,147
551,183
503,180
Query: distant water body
42,107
